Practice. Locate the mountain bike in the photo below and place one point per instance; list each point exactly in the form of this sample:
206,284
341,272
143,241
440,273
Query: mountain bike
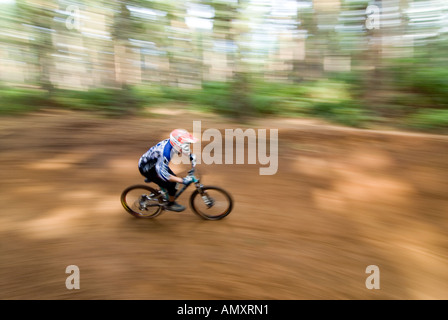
208,202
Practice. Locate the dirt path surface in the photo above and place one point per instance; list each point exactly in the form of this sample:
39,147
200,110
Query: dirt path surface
341,200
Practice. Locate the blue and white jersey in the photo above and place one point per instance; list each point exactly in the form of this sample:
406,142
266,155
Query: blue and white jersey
160,157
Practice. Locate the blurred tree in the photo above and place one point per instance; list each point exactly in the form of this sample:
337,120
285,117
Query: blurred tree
225,29
123,28
37,17
307,23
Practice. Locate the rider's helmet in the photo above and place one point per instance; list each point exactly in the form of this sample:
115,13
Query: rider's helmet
181,139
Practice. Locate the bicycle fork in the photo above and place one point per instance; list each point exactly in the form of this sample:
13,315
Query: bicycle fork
207,200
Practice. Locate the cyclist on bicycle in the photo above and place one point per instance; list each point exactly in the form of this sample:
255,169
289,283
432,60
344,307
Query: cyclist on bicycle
154,164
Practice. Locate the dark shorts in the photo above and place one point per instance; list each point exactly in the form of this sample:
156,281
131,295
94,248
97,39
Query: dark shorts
152,175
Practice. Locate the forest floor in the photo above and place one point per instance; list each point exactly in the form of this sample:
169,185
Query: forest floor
341,200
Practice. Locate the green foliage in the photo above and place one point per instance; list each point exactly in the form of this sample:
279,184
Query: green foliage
266,104
177,94
215,97
107,101
429,119
235,99
20,100
149,95
433,83
334,99
426,84
344,112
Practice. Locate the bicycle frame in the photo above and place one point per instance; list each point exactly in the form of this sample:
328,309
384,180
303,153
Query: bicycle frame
184,187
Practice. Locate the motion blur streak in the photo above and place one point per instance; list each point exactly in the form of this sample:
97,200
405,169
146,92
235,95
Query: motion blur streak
341,200
356,89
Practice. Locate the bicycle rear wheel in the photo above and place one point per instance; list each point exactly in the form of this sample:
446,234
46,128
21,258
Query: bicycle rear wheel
213,203
141,201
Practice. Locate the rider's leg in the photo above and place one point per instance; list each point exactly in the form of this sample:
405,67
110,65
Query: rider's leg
170,187
172,204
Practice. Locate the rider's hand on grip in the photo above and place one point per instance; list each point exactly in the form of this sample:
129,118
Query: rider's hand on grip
188,179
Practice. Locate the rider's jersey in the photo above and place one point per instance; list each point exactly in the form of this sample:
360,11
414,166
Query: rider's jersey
158,156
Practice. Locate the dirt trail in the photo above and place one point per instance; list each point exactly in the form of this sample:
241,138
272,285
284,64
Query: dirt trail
342,199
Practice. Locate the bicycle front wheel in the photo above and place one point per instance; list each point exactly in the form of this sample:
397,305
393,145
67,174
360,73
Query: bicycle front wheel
141,201
213,203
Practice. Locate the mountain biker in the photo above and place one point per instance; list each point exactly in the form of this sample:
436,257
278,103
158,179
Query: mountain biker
154,164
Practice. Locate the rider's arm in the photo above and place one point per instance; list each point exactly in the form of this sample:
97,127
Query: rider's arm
163,166
175,179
